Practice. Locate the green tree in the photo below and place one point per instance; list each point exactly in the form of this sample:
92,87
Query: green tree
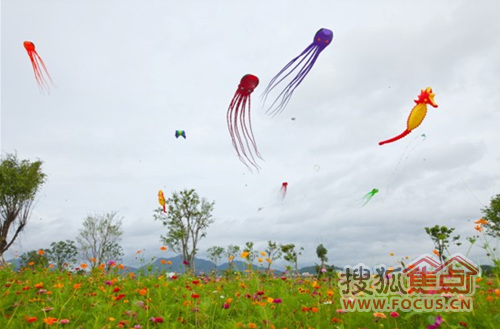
251,253
20,180
492,215
273,252
37,258
321,252
187,220
231,253
291,256
100,237
215,254
440,236
62,253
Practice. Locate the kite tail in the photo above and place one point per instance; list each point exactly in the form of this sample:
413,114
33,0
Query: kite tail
164,209
403,134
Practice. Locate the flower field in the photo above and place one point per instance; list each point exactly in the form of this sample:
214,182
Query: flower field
44,298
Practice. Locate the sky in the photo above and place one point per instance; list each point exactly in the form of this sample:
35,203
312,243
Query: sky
127,74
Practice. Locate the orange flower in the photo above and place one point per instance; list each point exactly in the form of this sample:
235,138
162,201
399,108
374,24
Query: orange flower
31,263
244,254
478,228
163,248
93,260
379,315
77,286
83,265
169,262
260,260
50,320
31,319
263,254
40,252
143,291
481,221
163,261
39,285
269,260
252,325
436,252
314,309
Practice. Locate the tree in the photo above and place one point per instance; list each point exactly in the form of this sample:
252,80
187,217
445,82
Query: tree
35,258
231,253
440,237
273,252
215,254
291,256
492,215
321,252
99,239
187,220
62,253
19,183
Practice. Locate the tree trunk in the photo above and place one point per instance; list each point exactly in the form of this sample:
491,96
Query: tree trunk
3,262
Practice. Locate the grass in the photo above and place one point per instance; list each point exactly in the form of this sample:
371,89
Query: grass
44,298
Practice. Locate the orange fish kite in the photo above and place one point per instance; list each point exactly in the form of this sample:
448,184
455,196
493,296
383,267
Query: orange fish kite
161,200
417,114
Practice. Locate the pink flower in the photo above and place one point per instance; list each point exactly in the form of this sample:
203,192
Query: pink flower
394,314
277,300
225,306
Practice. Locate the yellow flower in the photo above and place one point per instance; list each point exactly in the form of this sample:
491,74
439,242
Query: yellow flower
269,260
263,254
244,254
392,254
259,260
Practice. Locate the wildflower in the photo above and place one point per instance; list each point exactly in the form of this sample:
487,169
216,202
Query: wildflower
323,270
163,248
137,326
50,320
260,260
252,325
185,262
269,260
93,260
478,228
77,286
314,309
111,263
436,324
379,315
436,252
394,314
195,282
40,252
481,221
169,262
392,254
83,265
341,311
111,319
143,291
64,321
31,319
244,254
51,265
157,319
195,296
225,306
462,324
39,285
336,320
277,301
163,261
263,254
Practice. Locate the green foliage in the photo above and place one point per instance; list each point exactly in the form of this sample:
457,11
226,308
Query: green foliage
34,258
273,252
20,180
231,253
492,215
215,254
291,256
99,238
187,220
321,252
440,236
62,253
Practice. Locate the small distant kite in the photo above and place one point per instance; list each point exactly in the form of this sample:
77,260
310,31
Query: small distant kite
283,190
239,122
161,200
42,75
179,133
321,40
417,114
368,196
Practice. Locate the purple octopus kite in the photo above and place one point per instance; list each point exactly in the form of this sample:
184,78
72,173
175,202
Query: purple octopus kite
321,40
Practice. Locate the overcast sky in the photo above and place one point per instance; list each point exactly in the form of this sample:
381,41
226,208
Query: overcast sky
130,73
